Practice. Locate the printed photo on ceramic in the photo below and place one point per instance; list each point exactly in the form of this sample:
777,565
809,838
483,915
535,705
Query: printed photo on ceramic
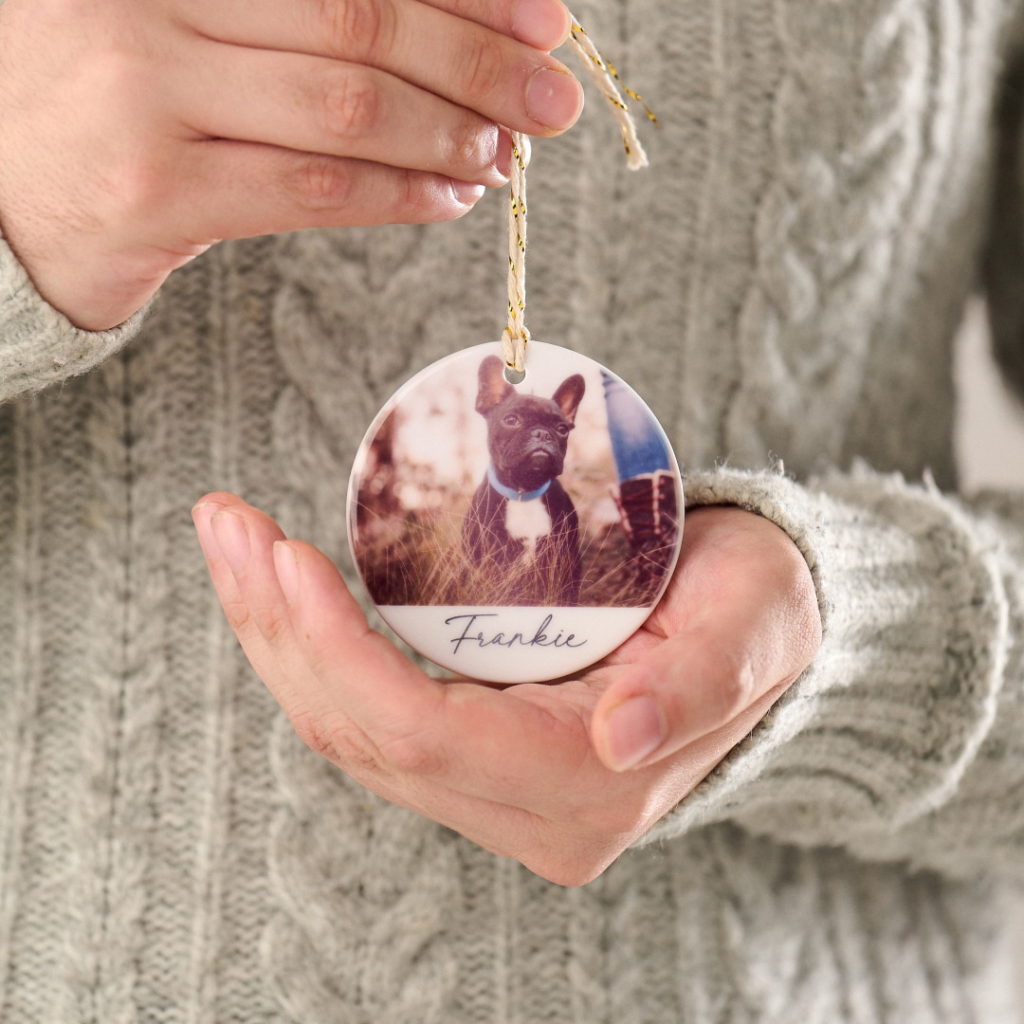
515,532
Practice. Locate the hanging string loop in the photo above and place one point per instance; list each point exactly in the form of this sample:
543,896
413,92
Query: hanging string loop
516,336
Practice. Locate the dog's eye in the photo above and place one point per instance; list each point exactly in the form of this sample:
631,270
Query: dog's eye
562,429
511,420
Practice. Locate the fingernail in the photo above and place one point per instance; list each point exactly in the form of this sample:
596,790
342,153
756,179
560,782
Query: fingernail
232,536
553,98
466,192
541,23
203,509
286,566
635,729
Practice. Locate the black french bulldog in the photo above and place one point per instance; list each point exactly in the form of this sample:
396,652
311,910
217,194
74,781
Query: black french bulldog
521,520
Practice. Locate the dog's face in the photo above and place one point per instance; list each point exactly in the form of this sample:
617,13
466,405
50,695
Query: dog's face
526,435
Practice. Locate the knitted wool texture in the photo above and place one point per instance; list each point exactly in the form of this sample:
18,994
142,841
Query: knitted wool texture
783,282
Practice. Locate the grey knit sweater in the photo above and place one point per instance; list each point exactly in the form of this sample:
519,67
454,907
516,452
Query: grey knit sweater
784,282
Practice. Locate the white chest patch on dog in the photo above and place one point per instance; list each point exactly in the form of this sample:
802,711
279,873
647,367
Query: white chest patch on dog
527,521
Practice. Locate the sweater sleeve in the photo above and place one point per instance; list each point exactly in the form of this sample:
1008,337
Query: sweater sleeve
904,740
38,345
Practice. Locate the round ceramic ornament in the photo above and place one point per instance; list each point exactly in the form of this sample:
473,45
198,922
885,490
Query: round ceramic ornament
515,533
513,522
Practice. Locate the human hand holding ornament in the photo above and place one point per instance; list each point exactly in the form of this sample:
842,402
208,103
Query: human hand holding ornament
135,136
561,776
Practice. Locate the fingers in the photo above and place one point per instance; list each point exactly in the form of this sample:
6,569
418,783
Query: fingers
471,739
216,548
309,113
240,190
355,699
287,641
365,673
466,63
350,694
316,105
741,625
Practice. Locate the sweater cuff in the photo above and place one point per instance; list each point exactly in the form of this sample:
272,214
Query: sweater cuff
881,727
40,346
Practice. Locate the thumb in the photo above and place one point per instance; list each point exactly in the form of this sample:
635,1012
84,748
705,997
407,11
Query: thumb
704,683
688,687
742,625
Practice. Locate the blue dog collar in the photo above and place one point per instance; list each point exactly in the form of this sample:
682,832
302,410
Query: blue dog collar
511,493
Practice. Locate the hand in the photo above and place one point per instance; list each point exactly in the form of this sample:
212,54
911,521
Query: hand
563,777
135,135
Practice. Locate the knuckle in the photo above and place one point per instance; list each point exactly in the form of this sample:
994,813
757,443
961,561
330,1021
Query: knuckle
118,71
359,27
737,686
351,103
117,68
480,68
136,187
323,182
129,179
470,145
237,612
274,627
351,747
340,742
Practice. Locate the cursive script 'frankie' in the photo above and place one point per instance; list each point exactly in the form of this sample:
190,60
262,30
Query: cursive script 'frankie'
539,638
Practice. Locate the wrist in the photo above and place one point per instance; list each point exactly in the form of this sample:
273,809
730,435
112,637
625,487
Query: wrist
94,292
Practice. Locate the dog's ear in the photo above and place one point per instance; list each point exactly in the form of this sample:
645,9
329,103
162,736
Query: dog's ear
494,389
569,395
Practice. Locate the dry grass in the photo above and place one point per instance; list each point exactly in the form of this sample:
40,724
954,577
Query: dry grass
424,563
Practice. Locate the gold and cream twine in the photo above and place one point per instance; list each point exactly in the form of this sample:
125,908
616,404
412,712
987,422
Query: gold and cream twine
516,336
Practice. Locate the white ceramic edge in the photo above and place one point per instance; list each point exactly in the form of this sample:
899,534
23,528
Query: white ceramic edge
513,643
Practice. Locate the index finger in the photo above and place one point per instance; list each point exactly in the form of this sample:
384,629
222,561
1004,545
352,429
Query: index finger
285,639
463,62
542,24
354,697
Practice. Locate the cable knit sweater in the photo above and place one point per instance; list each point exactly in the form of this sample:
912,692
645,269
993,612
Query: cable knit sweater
783,283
